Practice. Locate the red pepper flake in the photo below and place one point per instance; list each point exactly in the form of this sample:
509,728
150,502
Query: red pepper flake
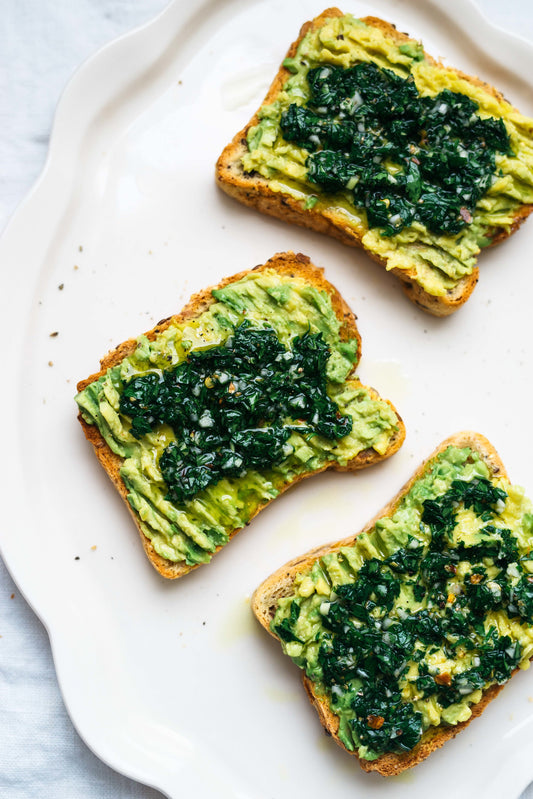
476,578
443,679
375,722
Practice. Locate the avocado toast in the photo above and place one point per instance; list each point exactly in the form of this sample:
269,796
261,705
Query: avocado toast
365,137
406,631
205,419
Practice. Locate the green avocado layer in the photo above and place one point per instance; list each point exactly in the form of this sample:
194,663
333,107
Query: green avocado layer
404,629
192,529
440,259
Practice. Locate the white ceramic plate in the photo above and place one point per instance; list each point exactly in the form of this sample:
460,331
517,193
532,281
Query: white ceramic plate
173,683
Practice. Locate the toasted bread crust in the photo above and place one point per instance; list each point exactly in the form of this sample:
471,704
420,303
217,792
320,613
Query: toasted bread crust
253,190
296,265
279,584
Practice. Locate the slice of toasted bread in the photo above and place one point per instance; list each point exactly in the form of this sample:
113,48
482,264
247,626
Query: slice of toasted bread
280,584
257,191
285,264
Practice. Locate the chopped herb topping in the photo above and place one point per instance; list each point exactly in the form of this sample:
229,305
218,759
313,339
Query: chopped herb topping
284,628
403,157
480,495
233,407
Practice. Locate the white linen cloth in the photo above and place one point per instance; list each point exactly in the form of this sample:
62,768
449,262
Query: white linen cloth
41,44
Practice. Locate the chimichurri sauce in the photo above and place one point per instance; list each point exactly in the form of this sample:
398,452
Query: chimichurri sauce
403,157
233,407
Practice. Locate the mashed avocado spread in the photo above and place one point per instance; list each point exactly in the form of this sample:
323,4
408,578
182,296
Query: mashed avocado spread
218,413
405,628
425,166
